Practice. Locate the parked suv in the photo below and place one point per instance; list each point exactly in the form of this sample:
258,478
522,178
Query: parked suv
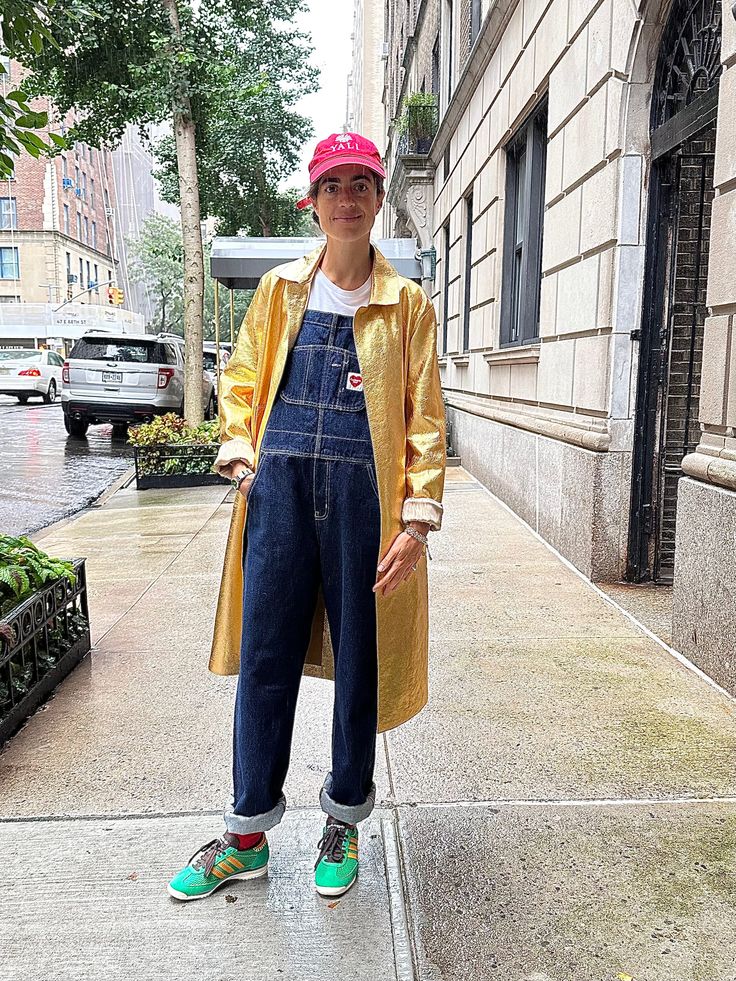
125,378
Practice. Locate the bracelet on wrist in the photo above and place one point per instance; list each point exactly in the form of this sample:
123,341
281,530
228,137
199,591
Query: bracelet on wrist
419,537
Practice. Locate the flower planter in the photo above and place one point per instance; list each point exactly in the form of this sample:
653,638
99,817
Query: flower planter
175,465
50,637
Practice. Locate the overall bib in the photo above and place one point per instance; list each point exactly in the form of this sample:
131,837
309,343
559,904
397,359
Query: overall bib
313,515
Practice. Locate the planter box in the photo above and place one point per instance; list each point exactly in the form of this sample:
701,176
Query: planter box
51,630
175,465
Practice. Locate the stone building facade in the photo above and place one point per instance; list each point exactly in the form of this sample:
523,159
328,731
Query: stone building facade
579,195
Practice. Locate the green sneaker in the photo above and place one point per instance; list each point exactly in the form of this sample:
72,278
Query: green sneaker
216,863
337,866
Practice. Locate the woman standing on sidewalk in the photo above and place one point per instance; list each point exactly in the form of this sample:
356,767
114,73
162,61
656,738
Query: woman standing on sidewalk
333,432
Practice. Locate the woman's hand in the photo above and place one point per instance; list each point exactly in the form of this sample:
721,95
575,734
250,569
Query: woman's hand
400,561
245,485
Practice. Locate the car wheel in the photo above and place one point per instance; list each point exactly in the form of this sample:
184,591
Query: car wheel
211,409
50,396
76,427
120,429
23,399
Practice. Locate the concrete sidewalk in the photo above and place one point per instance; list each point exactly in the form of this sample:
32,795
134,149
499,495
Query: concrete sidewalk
564,809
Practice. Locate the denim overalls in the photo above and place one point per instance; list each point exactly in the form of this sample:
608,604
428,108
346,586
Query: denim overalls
313,514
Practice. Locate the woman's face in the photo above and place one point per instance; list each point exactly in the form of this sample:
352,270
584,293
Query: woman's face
347,202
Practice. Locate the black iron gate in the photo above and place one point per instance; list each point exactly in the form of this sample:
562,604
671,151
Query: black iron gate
684,111
670,427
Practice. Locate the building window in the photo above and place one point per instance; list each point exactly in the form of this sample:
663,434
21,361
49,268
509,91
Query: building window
84,186
468,270
81,273
77,177
445,284
64,167
79,226
92,192
449,50
108,248
86,229
474,21
522,240
89,274
97,279
9,264
8,213
68,267
436,68
66,220
94,234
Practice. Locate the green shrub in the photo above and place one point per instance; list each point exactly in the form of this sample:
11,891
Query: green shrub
24,569
195,446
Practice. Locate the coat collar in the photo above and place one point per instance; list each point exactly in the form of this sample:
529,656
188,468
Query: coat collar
386,281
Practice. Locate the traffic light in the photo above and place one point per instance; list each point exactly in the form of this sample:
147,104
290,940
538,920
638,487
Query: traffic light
120,296
115,296
111,294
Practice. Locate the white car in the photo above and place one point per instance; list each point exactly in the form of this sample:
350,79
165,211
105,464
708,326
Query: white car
25,372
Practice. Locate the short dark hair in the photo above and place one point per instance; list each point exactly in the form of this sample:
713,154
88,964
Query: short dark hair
315,186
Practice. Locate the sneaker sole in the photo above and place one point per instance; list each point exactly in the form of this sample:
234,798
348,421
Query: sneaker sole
251,874
335,890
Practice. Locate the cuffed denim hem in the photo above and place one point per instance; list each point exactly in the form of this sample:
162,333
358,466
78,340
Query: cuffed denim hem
349,814
239,824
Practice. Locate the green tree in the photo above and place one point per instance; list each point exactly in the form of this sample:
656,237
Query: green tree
145,62
157,260
24,30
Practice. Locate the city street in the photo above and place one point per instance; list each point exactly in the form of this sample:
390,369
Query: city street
45,475
561,811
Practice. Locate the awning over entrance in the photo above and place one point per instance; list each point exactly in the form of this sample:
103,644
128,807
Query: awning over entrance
238,263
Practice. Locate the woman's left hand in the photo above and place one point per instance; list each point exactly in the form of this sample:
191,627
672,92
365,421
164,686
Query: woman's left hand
398,563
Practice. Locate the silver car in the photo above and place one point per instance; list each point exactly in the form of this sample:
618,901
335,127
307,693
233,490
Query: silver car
26,372
125,379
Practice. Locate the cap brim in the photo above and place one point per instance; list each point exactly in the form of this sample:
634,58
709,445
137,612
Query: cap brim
345,158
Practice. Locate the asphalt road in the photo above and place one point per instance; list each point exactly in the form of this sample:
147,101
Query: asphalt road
45,475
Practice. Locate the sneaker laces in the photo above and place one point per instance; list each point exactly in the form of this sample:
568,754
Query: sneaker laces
208,854
332,844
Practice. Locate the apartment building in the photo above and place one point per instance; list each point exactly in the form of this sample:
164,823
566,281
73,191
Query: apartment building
365,83
575,202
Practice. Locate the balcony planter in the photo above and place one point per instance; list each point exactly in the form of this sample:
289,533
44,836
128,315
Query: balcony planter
41,640
169,453
418,124
175,465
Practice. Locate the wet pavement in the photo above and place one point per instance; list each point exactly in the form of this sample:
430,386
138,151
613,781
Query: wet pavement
564,809
45,475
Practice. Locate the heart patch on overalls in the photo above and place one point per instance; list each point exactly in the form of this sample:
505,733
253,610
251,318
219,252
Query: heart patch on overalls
354,382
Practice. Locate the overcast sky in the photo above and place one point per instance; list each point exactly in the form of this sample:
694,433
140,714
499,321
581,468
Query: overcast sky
329,22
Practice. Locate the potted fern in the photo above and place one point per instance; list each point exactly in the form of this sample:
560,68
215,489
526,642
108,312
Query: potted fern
44,626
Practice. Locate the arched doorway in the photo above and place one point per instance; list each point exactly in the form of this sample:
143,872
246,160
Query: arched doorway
683,131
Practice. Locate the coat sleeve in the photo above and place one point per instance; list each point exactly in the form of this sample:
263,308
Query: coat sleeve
237,385
426,448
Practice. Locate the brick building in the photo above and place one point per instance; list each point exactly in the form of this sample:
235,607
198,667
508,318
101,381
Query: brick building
58,236
579,194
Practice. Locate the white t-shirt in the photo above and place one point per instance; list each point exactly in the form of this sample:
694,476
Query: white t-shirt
325,296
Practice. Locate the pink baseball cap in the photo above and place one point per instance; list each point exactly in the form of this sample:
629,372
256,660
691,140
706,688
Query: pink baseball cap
339,149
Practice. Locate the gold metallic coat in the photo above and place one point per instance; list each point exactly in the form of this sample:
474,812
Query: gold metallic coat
396,342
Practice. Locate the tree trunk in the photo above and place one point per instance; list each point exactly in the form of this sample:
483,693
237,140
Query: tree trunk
191,233
163,312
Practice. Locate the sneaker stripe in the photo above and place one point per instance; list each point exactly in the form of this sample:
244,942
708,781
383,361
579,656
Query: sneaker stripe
233,861
218,874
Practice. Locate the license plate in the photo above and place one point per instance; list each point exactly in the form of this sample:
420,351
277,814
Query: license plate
113,376
4,371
